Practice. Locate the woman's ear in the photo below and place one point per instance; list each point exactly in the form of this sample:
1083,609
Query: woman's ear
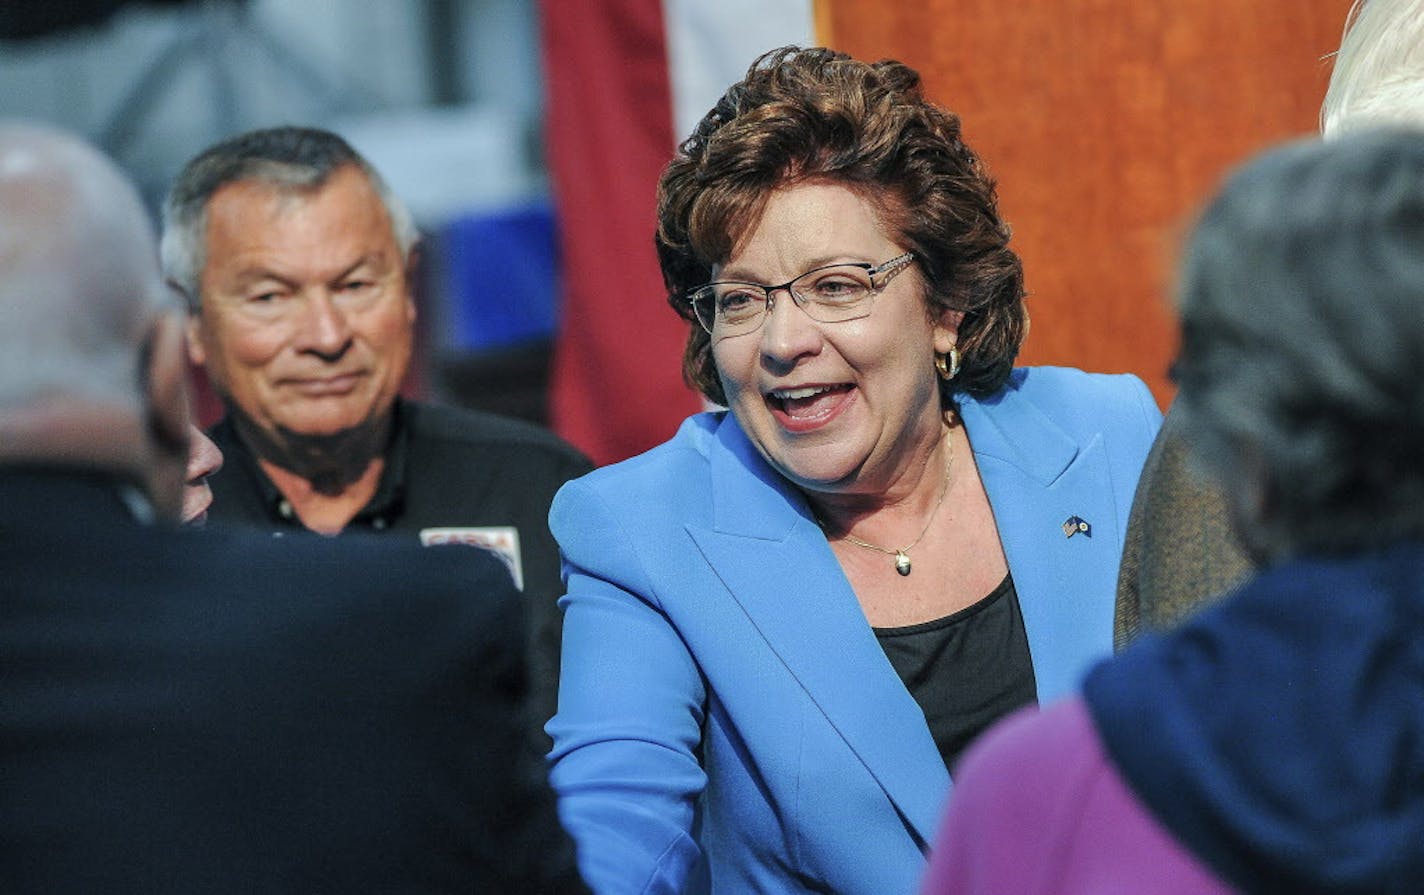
946,330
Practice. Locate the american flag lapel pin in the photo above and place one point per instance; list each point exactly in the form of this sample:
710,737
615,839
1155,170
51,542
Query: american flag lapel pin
1075,524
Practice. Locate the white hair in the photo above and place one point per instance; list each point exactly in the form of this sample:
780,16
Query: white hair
79,279
1378,78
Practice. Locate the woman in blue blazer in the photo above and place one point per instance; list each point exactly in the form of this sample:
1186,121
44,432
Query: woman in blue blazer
784,625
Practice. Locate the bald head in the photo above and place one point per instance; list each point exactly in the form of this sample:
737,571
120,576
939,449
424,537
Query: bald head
92,371
79,282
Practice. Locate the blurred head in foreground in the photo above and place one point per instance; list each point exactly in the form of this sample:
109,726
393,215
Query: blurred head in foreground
1303,344
92,369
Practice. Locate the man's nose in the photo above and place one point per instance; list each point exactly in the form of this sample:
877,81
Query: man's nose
325,329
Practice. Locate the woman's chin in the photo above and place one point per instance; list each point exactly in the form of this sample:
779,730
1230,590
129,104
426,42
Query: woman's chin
827,469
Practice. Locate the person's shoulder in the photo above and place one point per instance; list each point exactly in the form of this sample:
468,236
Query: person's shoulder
628,520
353,574
457,428
1079,401
1058,386
656,491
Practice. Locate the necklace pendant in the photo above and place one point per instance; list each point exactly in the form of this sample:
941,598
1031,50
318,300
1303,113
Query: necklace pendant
902,562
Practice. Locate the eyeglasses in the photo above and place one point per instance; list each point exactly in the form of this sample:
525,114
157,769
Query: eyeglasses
831,294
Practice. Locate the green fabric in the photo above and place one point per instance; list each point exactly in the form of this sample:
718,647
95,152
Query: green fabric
1180,552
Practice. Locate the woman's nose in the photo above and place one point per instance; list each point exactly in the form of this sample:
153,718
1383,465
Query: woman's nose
788,332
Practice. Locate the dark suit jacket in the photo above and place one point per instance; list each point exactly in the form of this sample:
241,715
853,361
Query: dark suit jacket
447,467
211,711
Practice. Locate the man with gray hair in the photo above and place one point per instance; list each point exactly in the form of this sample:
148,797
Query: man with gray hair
207,710
297,261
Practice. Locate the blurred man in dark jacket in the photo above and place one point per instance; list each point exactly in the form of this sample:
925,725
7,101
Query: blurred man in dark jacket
213,711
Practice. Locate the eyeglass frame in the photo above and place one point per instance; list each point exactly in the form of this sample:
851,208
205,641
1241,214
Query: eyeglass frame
892,266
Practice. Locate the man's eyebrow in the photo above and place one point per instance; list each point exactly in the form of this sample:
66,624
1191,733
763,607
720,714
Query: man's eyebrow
253,275
375,260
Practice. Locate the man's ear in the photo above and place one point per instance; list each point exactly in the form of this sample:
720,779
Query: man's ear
167,375
197,352
412,272
167,412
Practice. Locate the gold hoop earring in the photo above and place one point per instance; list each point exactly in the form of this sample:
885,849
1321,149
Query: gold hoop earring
948,364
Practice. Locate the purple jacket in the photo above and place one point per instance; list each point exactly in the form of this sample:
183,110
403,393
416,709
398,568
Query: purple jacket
1038,808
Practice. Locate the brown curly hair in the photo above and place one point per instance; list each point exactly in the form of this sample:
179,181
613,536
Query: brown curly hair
818,115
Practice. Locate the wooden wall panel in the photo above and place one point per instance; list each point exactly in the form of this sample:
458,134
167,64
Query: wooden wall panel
1106,123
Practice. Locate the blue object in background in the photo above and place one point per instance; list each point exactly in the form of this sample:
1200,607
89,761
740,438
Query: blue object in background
500,278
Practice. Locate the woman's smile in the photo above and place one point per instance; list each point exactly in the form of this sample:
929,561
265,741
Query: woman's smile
804,408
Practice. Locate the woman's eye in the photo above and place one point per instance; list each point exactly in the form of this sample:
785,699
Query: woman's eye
734,301
838,288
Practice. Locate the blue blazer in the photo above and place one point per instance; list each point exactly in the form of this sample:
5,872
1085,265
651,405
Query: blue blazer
727,720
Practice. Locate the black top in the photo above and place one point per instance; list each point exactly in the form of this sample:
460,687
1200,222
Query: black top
966,670
445,468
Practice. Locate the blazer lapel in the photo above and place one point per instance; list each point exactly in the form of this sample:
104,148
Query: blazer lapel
1038,477
766,548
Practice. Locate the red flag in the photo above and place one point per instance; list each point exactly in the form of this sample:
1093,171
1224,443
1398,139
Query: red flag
617,386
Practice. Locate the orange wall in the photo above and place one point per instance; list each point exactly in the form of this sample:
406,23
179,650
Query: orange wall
1106,123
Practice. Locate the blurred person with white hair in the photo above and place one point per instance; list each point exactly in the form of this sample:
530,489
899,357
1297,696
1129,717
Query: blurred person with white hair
1180,551
1273,742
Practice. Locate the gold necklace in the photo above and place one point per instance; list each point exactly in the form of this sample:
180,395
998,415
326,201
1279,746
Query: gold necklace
902,555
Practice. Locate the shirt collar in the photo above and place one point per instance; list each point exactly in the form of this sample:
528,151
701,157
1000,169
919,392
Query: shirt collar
389,500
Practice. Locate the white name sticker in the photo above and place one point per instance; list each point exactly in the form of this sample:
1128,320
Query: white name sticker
503,540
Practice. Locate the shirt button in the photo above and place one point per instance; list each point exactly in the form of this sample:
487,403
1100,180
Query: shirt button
379,523
284,509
